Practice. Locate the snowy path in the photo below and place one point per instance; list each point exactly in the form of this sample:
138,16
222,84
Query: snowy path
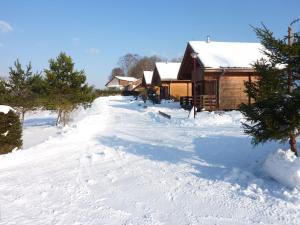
123,164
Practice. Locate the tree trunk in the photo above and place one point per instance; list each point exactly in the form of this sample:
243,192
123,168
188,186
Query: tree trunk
293,144
58,117
23,117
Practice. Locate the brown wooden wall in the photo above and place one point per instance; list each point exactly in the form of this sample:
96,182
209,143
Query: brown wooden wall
177,89
232,91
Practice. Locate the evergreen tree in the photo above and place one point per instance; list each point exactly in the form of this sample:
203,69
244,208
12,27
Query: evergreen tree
38,90
10,132
66,87
4,95
19,90
275,113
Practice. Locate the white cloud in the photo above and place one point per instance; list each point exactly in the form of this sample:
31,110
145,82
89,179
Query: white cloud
93,51
5,27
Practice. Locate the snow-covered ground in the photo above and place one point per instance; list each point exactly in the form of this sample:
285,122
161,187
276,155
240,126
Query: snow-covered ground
39,126
122,163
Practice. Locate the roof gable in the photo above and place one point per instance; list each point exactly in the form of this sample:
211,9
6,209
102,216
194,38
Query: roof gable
167,71
148,77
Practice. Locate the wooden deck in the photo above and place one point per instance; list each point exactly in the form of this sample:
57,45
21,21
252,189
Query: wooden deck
203,102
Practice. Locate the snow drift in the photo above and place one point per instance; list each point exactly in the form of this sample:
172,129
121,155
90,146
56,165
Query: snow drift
284,167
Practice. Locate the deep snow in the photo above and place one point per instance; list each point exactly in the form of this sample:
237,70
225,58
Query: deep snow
284,166
122,163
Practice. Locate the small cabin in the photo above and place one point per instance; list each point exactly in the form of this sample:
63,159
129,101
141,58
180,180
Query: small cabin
122,83
219,71
168,86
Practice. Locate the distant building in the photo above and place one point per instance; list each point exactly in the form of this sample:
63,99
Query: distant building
221,71
135,85
122,83
165,78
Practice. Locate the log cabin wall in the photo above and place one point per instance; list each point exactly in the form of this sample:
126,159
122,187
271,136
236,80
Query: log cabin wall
232,90
175,89
180,89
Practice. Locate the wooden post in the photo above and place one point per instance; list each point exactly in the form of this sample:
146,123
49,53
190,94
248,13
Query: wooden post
194,86
249,98
164,114
218,92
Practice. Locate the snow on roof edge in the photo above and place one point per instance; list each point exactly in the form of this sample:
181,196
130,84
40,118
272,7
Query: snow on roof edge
168,70
126,78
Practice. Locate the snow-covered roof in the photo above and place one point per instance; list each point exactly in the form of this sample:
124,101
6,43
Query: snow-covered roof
167,71
114,83
148,76
126,78
5,109
227,54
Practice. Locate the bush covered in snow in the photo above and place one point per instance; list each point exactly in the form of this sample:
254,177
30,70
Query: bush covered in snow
10,131
284,167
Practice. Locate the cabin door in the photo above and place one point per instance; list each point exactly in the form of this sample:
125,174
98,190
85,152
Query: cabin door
164,92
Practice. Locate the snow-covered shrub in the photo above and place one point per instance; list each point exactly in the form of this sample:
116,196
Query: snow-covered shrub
10,131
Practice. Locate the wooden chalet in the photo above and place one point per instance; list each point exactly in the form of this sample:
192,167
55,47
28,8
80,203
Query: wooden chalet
121,83
221,71
165,80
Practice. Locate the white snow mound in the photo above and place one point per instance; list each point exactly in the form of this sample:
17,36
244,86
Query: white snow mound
284,167
5,109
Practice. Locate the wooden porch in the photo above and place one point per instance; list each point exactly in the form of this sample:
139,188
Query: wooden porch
203,102
206,96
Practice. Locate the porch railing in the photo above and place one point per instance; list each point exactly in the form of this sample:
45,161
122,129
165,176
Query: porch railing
207,102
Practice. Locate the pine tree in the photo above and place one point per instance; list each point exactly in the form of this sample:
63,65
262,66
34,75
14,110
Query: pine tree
66,86
275,113
38,91
19,88
4,94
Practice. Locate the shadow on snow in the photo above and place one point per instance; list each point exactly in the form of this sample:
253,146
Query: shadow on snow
36,122
215,158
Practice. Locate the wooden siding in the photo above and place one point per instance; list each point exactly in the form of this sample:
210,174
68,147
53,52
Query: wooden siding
176,89
179,89
232,91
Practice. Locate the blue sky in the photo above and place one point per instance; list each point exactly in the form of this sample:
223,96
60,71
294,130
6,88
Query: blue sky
97,33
